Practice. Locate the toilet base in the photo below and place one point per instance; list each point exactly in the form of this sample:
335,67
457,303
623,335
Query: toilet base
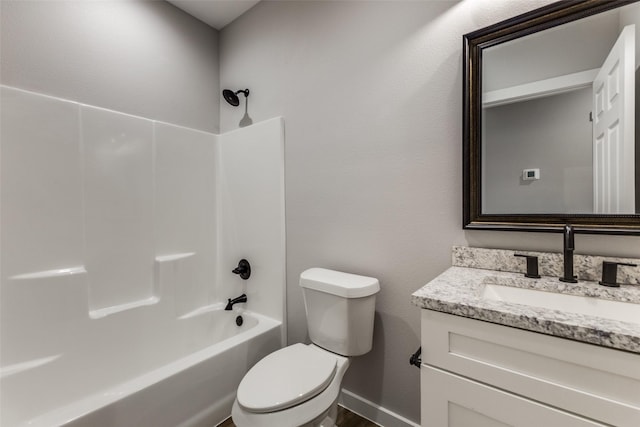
326,419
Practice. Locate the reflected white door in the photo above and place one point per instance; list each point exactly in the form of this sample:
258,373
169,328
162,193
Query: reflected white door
613,129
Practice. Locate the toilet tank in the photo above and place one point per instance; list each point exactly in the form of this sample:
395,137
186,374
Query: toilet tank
340,310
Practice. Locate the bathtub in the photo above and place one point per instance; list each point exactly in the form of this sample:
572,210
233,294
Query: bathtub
137,378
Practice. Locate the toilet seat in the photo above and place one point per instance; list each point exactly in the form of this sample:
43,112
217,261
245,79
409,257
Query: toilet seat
301,414
286,378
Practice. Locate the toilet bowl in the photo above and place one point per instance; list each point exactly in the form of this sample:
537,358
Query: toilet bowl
298,386
298,389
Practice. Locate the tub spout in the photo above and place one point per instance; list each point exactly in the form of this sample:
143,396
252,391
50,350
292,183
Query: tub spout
241,298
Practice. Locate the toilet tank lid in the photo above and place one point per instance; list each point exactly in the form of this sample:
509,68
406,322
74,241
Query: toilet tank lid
346,285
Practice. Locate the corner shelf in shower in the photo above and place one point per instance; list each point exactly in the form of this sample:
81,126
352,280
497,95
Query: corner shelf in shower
106,311
47,274
16,368
202,310
154,299
174,257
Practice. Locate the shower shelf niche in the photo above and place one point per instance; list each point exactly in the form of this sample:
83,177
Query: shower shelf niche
103,312
47,274
174,257
16,368
162,262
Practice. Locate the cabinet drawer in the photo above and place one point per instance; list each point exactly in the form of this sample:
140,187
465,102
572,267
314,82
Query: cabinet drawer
600,383
449,400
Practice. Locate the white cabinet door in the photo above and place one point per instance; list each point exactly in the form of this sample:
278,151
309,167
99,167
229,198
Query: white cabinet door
448,400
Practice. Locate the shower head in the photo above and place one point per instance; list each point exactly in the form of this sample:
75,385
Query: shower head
232,97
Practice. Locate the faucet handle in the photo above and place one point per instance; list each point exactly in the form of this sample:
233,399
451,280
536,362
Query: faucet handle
243,269
610,273
532,266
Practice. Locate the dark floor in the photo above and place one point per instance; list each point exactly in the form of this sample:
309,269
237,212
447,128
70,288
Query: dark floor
346,418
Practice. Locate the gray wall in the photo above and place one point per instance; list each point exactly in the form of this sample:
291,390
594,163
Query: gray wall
146,58
371,96
551,133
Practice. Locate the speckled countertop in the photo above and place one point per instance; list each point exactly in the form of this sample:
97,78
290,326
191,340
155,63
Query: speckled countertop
459,291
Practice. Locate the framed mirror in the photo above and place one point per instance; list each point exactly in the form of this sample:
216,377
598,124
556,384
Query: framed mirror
551,120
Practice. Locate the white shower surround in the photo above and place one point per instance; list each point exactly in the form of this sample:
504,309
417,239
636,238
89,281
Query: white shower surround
119,234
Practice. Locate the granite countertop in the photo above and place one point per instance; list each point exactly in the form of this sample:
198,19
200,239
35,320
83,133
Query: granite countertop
459,291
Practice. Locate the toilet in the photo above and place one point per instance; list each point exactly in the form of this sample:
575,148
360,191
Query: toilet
298,386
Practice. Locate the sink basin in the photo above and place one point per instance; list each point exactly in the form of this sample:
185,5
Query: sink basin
608,309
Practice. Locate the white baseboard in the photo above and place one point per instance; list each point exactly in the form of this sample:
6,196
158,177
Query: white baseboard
373,412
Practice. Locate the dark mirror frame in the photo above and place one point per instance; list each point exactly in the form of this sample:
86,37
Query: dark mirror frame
473,43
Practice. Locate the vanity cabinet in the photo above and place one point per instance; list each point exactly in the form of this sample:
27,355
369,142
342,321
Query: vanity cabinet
482,374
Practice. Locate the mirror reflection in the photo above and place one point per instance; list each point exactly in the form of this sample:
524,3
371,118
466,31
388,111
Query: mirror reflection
560,119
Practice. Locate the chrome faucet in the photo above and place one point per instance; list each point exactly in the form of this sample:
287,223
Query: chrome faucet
241,298
567,249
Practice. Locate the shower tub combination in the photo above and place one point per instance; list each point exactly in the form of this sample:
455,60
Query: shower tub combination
119,234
